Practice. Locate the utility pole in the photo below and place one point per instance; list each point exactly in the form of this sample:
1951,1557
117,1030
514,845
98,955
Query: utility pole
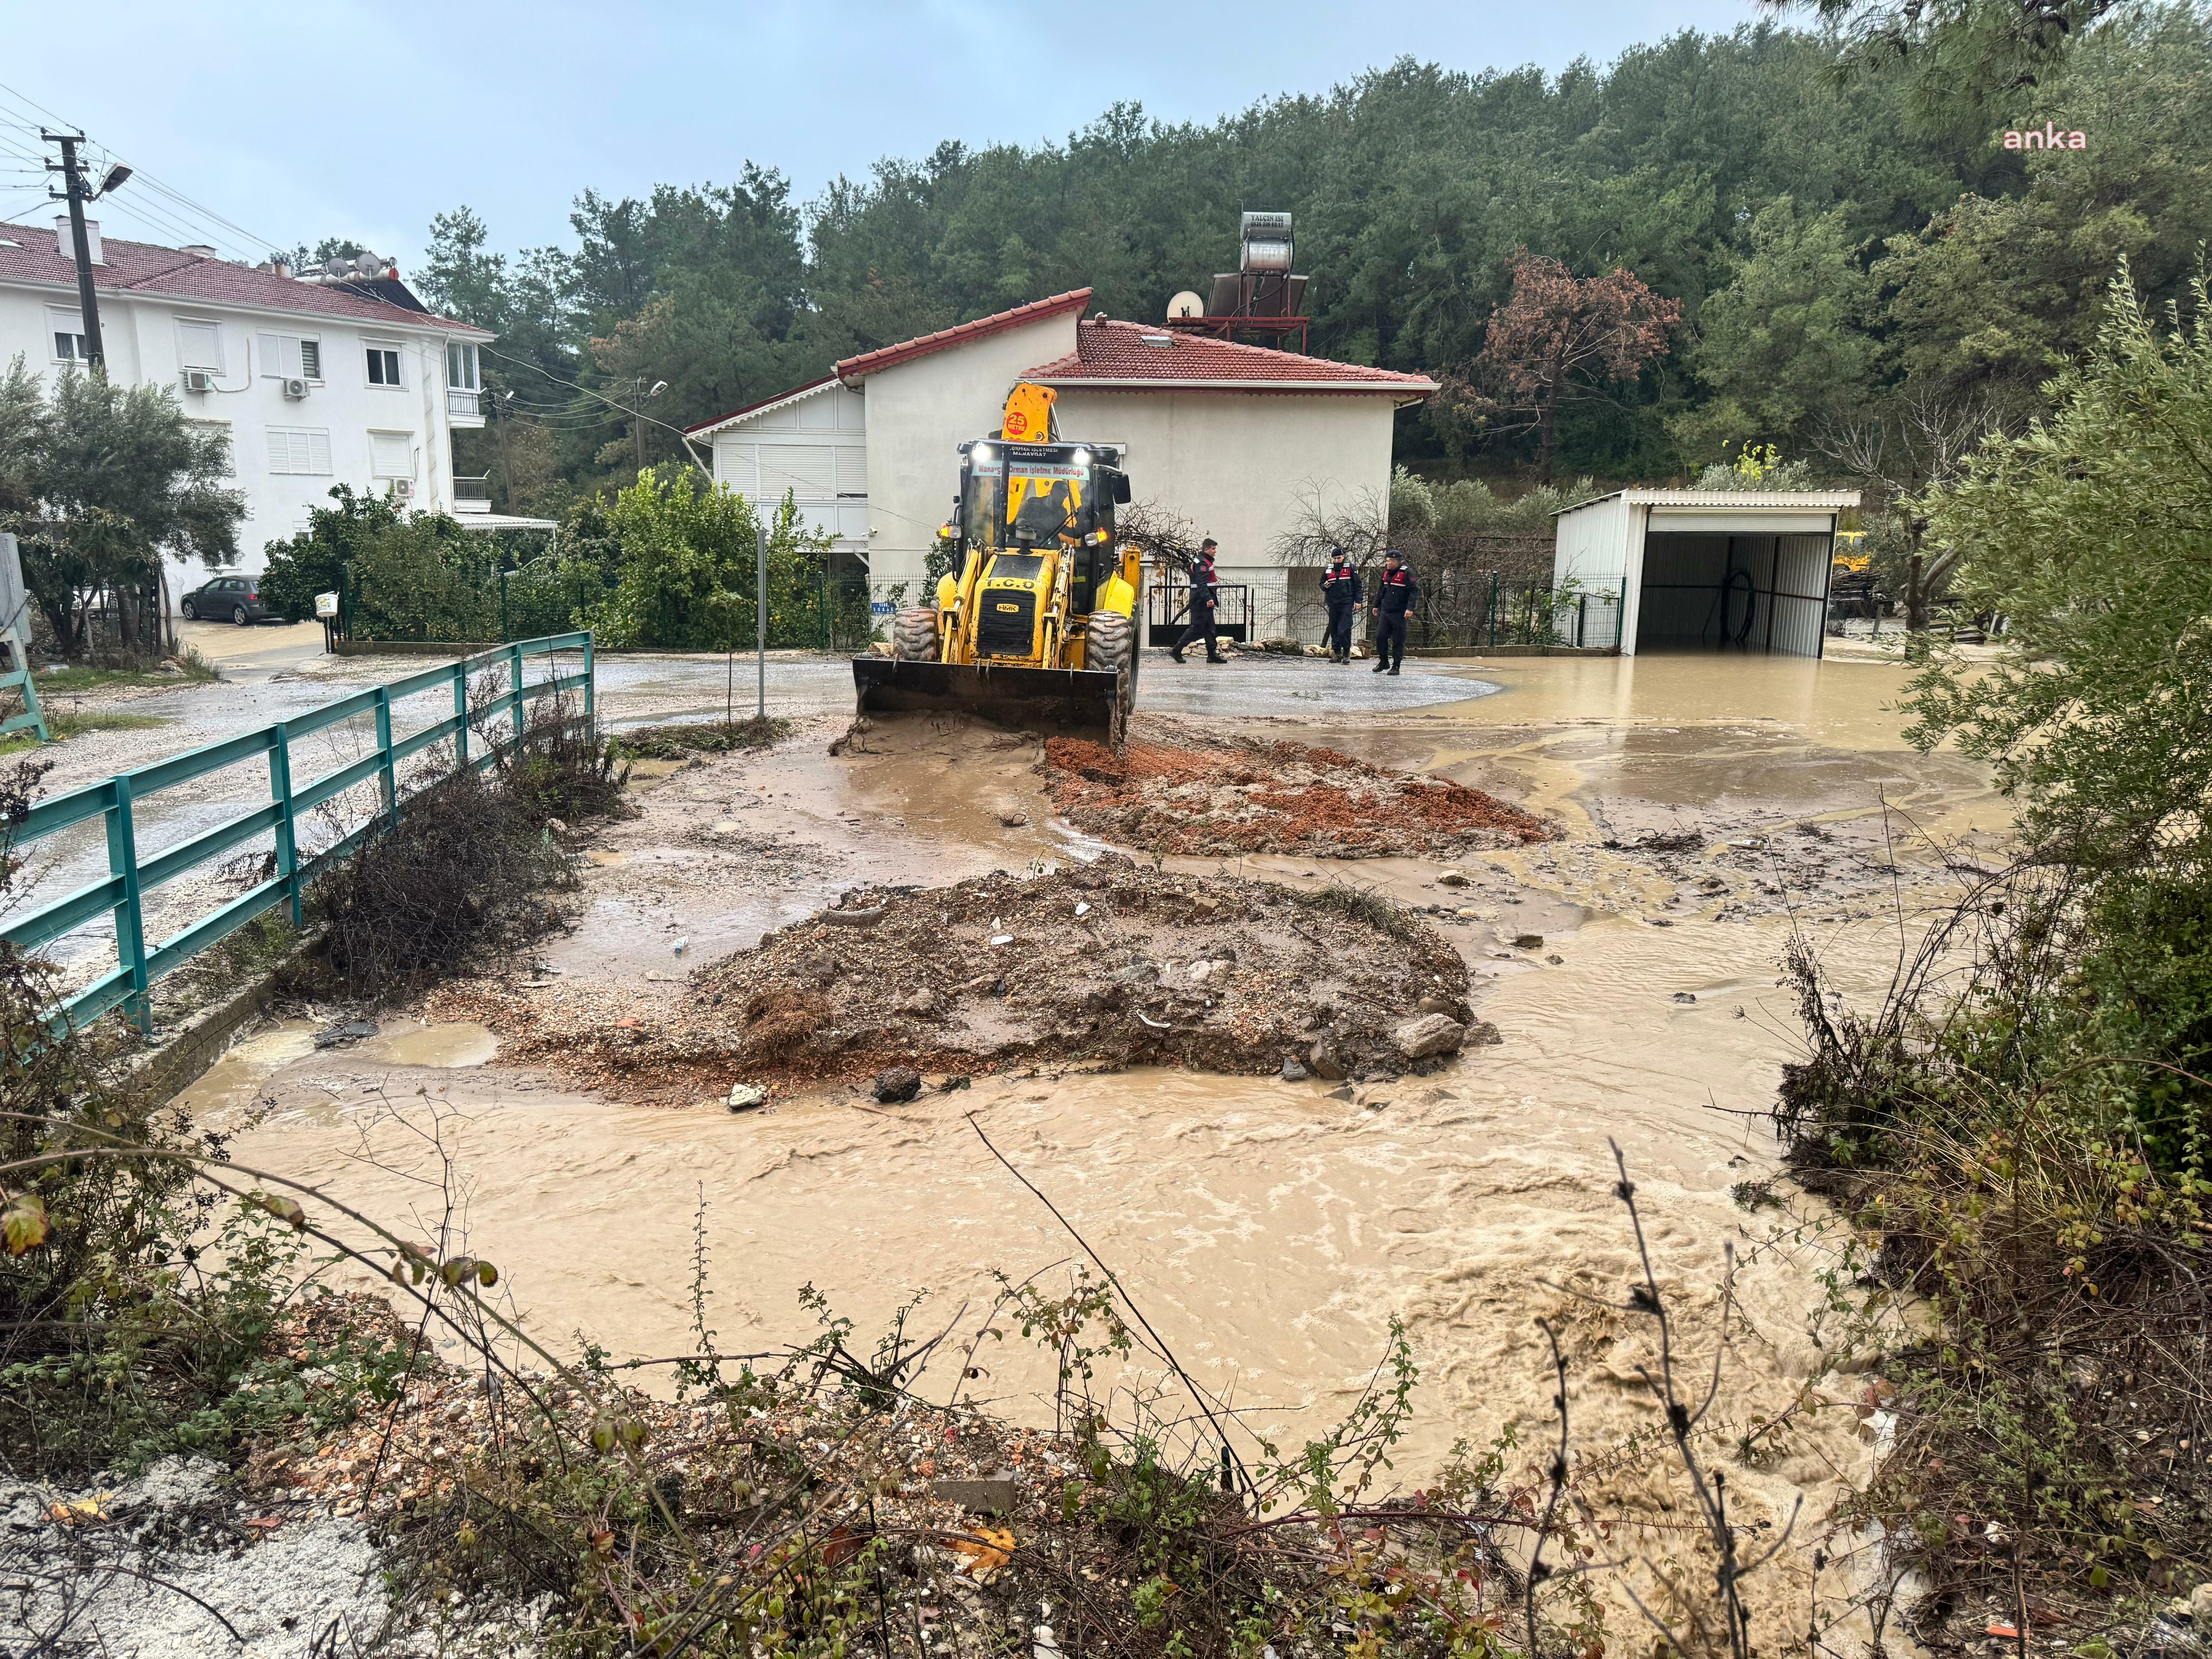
78,194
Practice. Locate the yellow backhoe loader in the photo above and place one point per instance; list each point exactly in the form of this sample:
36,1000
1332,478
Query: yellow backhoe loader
1037,629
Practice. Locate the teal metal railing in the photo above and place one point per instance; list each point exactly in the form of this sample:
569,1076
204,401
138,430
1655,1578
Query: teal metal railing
129,878
19,678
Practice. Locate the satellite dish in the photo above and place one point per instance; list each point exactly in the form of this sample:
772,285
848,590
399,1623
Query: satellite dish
368,264
1185,304
337,265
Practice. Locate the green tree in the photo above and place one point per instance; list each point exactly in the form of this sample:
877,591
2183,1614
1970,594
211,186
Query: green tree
97,481
314,560
2092,535
1785,343
689,572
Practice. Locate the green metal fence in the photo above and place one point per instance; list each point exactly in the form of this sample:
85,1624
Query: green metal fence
131,877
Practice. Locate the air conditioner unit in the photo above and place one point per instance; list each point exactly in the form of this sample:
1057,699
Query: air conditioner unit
199,379
295,385
402,489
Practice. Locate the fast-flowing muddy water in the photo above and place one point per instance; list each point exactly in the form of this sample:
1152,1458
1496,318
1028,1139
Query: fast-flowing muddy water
1271,1231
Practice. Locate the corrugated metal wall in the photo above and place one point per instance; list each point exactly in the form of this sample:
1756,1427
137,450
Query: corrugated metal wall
1799,604
1690,600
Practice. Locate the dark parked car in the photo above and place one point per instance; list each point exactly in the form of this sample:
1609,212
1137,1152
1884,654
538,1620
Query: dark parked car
236,598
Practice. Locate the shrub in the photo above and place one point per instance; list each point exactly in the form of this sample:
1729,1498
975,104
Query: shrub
689,574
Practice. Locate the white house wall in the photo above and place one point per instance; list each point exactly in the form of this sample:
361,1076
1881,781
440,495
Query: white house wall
1240,468
917,412
815,446
144,345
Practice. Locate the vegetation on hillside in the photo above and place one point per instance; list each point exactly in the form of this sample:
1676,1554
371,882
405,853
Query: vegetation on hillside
1834,242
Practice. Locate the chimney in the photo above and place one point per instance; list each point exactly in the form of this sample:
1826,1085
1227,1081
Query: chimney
63,243
206,251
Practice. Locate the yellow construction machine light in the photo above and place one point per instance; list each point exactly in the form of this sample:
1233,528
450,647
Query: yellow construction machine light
1038,628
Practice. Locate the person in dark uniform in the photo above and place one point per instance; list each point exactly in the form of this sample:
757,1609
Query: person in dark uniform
1339,592
1395,593
1204,584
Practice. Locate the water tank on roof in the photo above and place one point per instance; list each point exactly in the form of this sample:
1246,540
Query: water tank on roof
1266,240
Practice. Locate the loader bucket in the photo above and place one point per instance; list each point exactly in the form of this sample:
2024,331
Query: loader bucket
1079,702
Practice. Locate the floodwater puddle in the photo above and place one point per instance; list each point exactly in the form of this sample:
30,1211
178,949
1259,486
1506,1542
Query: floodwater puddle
1270,1230
455,1045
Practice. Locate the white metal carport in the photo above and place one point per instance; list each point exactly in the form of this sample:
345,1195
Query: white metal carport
1706,568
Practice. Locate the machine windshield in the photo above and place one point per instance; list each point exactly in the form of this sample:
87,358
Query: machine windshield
1045,499
1042,500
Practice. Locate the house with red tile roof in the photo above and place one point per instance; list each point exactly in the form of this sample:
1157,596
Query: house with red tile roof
317,379
1233,438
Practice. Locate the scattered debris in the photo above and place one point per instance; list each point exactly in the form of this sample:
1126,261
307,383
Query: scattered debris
1217,973
1255,797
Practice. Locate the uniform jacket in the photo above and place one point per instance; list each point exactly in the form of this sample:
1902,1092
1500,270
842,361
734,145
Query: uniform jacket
1395,591
1339,584
1204,582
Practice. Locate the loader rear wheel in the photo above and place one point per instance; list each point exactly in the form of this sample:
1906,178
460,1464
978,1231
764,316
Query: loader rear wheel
1112,646
914,635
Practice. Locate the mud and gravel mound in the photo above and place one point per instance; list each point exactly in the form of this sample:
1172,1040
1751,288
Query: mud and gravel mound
1111,963
1255,797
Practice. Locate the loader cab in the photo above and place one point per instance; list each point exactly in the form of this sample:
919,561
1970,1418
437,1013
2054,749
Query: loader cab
1041,502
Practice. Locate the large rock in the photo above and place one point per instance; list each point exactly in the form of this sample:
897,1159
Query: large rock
1326,1063
1429,1034
896,1085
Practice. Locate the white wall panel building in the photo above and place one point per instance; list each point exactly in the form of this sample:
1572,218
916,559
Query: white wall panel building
314,384
1232,438
1707,569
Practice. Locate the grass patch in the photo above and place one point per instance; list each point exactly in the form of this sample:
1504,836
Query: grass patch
701,737
61,727
1361,904
196,670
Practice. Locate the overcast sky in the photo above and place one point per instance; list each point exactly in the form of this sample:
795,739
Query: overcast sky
318,117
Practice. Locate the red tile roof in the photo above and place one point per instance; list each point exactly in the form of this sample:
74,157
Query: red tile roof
870,363
1115,355
147,268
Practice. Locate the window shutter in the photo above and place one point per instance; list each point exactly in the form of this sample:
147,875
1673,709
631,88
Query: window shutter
311,359
392,454
807,472
200,345
319,452
271,350
851,470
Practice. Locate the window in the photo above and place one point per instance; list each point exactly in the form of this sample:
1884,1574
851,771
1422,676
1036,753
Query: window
69,337
392,454
290,356
200,345
383,366
461,368
301,449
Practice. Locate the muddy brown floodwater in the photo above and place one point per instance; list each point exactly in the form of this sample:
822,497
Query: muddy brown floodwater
1270,1230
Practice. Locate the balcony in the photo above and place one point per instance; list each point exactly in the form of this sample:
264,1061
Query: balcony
463,406
472,495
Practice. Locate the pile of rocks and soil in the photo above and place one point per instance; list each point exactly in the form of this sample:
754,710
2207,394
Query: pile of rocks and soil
1250,796
1110,963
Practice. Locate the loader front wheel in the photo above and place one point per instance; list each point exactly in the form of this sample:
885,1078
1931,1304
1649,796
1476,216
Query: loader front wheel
914,635
1112,648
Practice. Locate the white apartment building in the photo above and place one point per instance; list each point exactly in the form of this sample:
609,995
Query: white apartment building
316,380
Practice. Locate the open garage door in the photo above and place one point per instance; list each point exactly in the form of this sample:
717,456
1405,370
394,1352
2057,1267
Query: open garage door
1720,592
